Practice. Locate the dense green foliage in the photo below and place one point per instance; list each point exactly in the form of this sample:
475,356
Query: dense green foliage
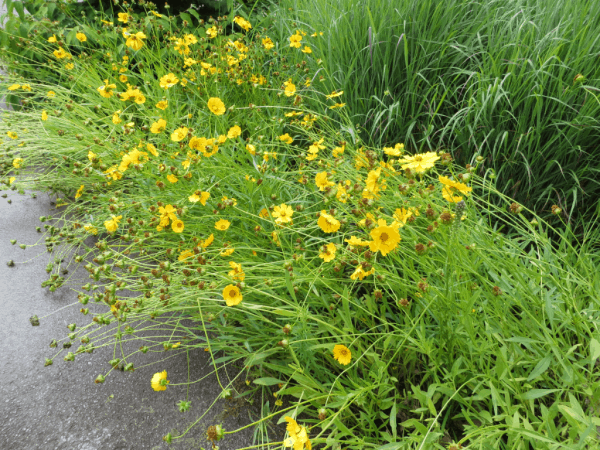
363,280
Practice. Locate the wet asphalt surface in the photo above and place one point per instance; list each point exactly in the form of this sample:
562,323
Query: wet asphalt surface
60,406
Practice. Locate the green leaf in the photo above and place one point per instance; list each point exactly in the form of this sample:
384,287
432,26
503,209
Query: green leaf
594,350
537,393
540,368
267,381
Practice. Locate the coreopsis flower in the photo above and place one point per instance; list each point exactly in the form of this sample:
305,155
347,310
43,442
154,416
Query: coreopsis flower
91,155
12,135
222,225
90,229
401,216
450,187
61,53
322,182
17,163
159,380
342,354
227,252
172,178
79,191
397,150
360,273
243,23
306,49
236,271
51,94
212,32
185,255
298,435
234,132
158,126
123,17
152,149
115,118
328,252
44,115
357,242
384,239
156,14
286,138
337,105
328,223
283,214
106,90
177,226
69,66
14,87
179,134
216,106
206,242
168,81
295,40
52,39
289,88
163,104
268,43
232,295
112,224
251,149
81,37
420,162
341,194
134,41
316,146
334,94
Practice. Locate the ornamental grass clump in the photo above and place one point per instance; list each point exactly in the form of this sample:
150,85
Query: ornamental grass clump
364,286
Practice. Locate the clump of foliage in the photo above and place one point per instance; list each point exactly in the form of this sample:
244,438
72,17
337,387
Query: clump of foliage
221,178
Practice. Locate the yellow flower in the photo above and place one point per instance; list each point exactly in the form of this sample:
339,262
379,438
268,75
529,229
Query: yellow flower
452,186
216,106
122,78
14,87
115,118
295,40
106,90
185,255
52,39
112,224
283,213
11,180
243,23
337,105
123,17
328,252
286,138
290,88
61,53
162,104
91,155
385,239
209,240
360,273
159,126
222,224
212,32
420,162
81,37
159,380
79,191
397,150
334,94
342,354
354,241
232,295
236,273
177,226
44,115
268,43
12,135
168,81
251,149
90,229
328,223
306,49
152,149
322,182
298,435
17,163
179,134
204,196
227,252
51,94
134,41
156,14
172,178
234,132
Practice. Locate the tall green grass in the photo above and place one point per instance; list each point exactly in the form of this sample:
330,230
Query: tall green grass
492,78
